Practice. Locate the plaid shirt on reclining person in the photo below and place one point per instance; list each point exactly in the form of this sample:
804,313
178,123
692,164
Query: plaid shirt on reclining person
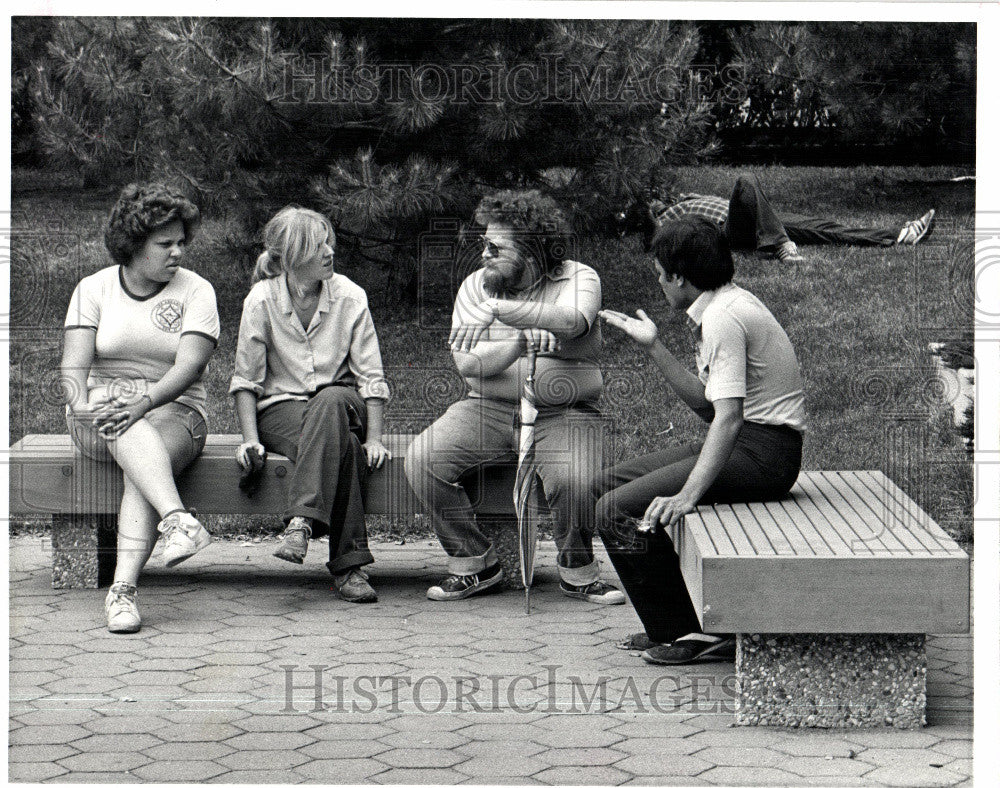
714,208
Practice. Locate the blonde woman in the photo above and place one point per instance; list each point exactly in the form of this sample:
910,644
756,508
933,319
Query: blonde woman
139,335
308,384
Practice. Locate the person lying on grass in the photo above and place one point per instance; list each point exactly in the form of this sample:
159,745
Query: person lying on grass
750,223
748,388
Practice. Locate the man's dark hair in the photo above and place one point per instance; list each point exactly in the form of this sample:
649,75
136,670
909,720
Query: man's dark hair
695,248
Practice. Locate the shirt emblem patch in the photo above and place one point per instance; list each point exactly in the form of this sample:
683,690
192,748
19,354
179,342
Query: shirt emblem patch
167,315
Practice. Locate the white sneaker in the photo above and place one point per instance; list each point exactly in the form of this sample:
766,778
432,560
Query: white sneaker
121,609
788,252
185,536
918,230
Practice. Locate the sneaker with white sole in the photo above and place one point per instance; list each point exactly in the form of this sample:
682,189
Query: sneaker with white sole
597,592
185,536
121,609
788,252
462,586
918,230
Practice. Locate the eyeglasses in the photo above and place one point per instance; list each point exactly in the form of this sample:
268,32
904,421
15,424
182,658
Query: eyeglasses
490,249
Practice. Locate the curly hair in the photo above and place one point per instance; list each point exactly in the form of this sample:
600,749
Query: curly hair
538,220
143,208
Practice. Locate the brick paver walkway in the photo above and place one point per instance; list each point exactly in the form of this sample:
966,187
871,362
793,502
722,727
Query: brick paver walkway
405,691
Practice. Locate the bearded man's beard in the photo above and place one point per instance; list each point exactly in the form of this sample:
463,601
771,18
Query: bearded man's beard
501,277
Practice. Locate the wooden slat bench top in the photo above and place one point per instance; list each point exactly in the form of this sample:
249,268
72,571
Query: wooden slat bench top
845,551
845,514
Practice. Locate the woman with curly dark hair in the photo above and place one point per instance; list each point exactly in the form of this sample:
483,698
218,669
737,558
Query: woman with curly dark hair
138,337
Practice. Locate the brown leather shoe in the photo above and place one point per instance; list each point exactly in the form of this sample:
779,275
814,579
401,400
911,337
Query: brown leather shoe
354,587
294,541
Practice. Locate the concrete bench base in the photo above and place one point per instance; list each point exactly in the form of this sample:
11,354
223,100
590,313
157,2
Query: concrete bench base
83,550
831,681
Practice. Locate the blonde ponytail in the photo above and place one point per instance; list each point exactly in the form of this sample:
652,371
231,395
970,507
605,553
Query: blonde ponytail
268,266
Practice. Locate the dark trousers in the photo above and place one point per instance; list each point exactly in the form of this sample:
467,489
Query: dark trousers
763,466
323,438
753,224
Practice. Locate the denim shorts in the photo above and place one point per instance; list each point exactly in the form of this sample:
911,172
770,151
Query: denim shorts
183,430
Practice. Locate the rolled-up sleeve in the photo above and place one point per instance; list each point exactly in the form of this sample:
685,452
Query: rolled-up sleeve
365,358
251,350
584,294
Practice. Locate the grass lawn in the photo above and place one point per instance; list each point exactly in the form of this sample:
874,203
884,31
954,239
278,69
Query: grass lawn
860,320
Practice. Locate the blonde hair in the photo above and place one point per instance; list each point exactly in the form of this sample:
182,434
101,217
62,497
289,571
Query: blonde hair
293,236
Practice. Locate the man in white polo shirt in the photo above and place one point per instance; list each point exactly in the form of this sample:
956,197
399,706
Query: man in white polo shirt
748,388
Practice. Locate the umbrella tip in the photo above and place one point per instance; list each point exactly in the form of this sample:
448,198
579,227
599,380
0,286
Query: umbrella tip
527,601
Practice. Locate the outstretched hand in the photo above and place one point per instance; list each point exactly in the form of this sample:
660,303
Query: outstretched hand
639,329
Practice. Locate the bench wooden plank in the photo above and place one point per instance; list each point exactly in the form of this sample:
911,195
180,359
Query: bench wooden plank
875,534
835,521
892,512
814,545
737,530
716,531
880,507
784,542
836,543
909,514
790,516
742,514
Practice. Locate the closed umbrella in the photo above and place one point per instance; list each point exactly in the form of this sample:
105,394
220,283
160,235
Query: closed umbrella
524,484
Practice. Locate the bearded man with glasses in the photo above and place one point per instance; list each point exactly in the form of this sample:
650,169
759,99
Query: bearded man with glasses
525,292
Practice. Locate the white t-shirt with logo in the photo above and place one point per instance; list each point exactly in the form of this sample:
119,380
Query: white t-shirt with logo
137,337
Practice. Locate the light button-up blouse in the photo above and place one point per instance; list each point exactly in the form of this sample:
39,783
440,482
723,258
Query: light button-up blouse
277,359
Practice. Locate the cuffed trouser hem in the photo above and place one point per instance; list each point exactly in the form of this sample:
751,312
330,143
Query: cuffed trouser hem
581,575
308,512
470,565
351,560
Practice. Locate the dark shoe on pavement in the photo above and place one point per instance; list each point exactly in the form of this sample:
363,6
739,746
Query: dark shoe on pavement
638,642
294,541
462,586
597,592
681,652
918,230
353,587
